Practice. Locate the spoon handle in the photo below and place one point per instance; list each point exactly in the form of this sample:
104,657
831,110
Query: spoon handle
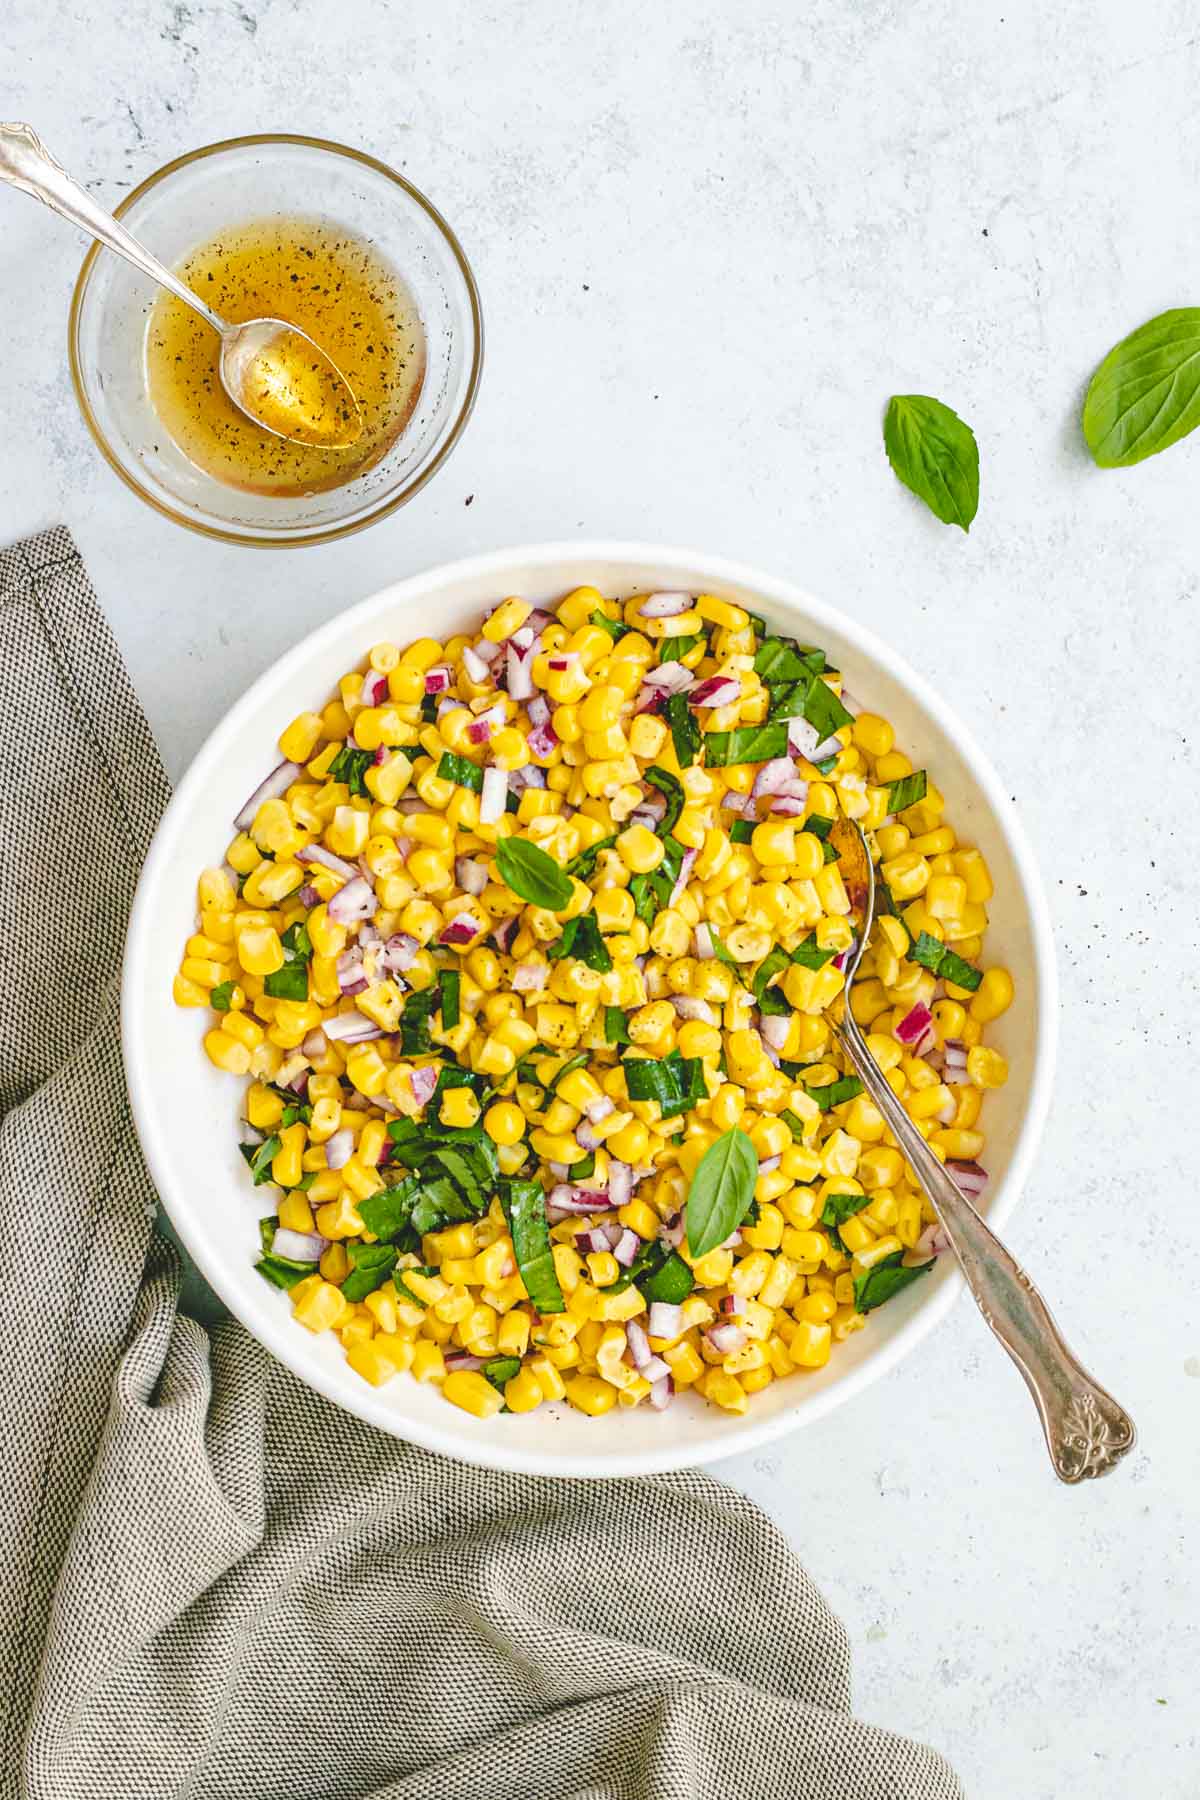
26,163
1087,1433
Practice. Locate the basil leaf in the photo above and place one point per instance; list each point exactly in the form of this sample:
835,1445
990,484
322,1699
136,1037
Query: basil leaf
288,983
658,1273
795,1125
809,956
685,731
350,765
667,784
885,1279
296,940
501,1369
722,1188
934,453
370,1266
281,1273
461,771
524,1205
260,1158
723,955
818,825
386,1213
676,648
933,955
450,988
907,791
676,1082
221,996
770,966
758,624
581,938
419,1008
823,710
748,744
583,866
741,831
532,875
781,659
1145,395
402,1287
836,1094
616,628
616,1026
840,1207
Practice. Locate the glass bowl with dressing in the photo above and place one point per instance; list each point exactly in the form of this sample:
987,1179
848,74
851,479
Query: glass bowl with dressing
332,241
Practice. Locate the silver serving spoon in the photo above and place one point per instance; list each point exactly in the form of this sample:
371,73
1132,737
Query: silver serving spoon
272,371
1087,1433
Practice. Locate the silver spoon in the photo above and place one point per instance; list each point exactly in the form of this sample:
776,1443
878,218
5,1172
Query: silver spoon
272,371
1087,1433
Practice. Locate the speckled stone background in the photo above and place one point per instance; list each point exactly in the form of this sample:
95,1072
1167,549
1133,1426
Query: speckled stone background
711,240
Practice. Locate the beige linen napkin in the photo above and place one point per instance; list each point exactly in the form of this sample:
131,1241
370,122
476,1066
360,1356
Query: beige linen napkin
215,1584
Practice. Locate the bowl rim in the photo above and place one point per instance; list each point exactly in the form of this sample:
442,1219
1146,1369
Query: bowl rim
258,541
278,1334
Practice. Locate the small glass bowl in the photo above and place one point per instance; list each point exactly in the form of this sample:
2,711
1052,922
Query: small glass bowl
191,200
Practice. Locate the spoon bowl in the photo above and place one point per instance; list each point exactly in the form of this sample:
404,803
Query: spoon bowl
272,371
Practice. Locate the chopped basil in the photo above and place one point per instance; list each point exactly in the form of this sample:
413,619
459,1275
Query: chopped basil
885,1279
296,1113
721,1190
370,1266
658,1273
429,709
747,744
583,866
824,711
673,789
580,1171
781,659
840,1207
450,987
524,1205
933,955
461,771
653,891
769,999
501,1369
907,791
439,1203
837,1093
260,1158
386,1213
282,1273
350,765
291,981
580,1061
826,766
616,1026
221,996
532,875
809,956
818,825
419,1008
741,831
795,1125
451,1075
402,1287
675,1081
581,938
685,731
757,622
676,648
616,628
722,954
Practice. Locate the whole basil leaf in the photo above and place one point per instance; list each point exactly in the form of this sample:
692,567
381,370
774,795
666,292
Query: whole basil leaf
533,875
722,1188
1145,395
933,452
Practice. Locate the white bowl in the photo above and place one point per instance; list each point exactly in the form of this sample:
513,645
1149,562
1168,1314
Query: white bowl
186,1111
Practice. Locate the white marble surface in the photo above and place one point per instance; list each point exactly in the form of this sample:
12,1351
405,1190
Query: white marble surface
711,240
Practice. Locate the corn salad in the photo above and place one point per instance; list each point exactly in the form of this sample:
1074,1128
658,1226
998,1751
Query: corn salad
533,935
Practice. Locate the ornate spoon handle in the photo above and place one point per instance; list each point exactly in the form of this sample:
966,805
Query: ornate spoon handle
26,163
1087,1433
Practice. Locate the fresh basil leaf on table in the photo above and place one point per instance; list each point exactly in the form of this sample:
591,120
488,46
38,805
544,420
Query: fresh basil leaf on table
934,453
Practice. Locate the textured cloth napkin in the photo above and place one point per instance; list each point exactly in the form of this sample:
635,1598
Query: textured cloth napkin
212,1582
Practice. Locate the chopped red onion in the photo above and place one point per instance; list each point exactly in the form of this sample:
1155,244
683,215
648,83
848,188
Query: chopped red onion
655,1371
480,730
494,797
769,1164
932,1242
690,1006
671,677
620,1183
471,875
447,704
725,1339
539,710
852,706
314,1044
686,864
626,1248
915,1029
308,895
298,1246
788,806
351,1028
650,700
842,959
542,742
662,1393
717,690
399,953
665,1320
340,1148
486,650
704,944
665,606
585,1137
736,803
349,966
438,679
639,1343
505,932
774,1028
476,667
599,1108
462,928
672,1231
773,776
732,1306
528,977
278,782
458,1360
970,1177
518,673
567,1198
355,901
317,853
422,1082
591,1242
803,738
